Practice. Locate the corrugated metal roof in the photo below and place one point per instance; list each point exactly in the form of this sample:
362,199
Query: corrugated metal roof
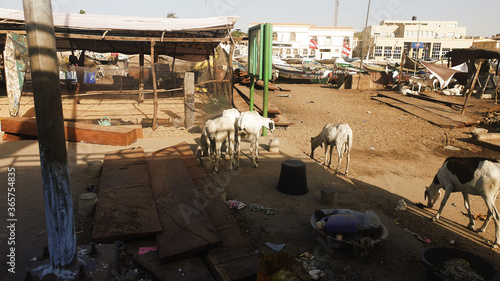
111,22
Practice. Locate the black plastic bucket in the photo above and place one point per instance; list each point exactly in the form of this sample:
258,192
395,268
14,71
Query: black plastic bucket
293,179
434,257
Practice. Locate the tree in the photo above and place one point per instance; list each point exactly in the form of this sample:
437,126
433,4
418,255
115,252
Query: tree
171,15
359,35
82,12
238,33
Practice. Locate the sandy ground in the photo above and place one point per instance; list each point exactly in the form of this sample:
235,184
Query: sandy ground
394,156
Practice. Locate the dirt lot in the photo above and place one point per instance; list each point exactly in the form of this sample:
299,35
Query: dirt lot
394,156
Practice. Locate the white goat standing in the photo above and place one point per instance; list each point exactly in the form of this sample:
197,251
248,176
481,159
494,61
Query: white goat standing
250,124
475,176
338,135
234,114
218,131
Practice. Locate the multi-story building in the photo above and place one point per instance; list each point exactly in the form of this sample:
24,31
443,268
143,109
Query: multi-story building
422,39
292,40
492,44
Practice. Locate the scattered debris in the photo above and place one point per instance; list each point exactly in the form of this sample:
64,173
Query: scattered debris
479,131
235,204
401,205
459,269
144,250
284,96
450,147
316,274
306,256
275,247
480,217
419,238
268,211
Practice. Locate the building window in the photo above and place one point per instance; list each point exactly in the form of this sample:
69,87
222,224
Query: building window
436,50
295,51
328,41
387,51
304,52
378,51
315,38
426,34
288,52
293,37
397,53
406,33
275,36
444,51
450,35
313,52
407,47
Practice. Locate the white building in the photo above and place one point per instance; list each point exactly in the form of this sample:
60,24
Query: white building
434,38
291,40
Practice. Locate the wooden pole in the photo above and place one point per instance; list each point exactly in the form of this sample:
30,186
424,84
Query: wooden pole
215,70
189,99
362,41
141,72
51,138
472,86
231,71
155,92
401,67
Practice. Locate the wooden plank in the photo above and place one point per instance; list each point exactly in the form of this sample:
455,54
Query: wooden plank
74,131
125,207
435,108
240,103
188,229
189,269
424,114
17,137
236,258
447,100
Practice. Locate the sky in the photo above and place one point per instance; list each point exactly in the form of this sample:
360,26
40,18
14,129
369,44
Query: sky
482,18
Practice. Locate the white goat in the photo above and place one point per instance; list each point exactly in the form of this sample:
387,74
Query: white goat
250,124
234,114
475,176
455,91
215,133
430,82
338,135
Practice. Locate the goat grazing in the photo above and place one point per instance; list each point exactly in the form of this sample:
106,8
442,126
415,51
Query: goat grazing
475,176
338,135
250,124
429,82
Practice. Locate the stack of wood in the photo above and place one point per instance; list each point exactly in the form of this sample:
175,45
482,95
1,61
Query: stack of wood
169,212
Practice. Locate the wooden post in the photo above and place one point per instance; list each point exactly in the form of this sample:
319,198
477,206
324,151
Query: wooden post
51,139
472,86
155,92
215,75
189,108
141,72
231,72
401,68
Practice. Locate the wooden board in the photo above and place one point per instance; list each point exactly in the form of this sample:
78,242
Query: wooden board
447,100
432,107
188,229
189,269
89,133
236,258
424,114
125,207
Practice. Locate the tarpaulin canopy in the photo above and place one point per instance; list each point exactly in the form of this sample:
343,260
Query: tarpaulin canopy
444,74
188,39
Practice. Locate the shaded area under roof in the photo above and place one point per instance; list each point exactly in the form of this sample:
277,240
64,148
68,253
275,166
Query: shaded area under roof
188,39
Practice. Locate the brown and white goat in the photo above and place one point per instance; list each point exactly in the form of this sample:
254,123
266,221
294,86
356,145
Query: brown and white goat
475,176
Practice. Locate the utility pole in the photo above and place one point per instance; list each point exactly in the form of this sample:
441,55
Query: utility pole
51,138
336,15
364,36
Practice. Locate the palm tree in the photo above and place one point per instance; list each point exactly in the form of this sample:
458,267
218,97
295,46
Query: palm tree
171,15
